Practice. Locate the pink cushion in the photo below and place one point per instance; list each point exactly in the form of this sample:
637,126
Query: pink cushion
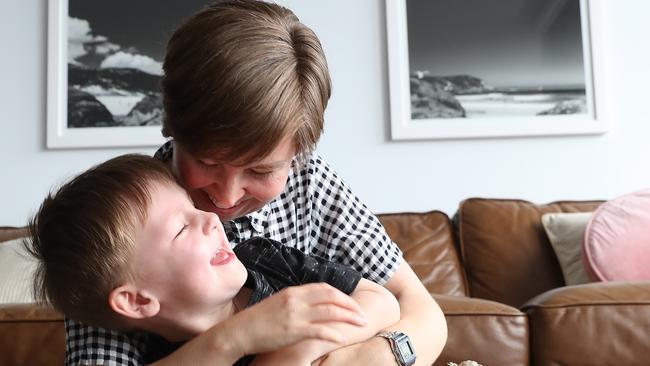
617,239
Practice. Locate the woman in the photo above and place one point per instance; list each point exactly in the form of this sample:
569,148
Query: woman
245,89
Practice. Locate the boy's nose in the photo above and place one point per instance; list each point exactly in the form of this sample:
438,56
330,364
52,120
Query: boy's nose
212,222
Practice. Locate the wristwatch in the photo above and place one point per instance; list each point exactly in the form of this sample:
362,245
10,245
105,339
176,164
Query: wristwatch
401,346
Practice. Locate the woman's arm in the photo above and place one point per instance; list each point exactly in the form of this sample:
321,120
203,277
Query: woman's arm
361,242
421,319
313,311
381,308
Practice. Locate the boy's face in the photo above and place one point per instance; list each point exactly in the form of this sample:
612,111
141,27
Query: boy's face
232,190
183,257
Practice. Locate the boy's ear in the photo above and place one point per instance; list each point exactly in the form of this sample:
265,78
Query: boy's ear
128,301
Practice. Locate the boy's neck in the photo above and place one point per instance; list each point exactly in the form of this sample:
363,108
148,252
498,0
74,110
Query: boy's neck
175,330
240,301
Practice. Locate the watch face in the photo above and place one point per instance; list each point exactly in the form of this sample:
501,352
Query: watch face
405,348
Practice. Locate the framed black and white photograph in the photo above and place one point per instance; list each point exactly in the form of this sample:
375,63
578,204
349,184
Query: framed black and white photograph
105,68
491,68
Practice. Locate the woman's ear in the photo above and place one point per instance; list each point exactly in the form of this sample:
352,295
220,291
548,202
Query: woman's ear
128,301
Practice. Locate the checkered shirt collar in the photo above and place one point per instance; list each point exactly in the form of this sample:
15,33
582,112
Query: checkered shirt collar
258,218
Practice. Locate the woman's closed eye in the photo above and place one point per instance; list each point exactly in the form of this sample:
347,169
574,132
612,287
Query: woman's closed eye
261,174
206,165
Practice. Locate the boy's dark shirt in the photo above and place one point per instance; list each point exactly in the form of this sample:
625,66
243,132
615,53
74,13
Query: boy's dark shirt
272,267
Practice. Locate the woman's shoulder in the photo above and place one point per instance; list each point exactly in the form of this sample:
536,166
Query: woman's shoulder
315,168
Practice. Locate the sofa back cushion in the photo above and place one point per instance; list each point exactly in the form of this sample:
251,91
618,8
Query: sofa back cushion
505,251
427,240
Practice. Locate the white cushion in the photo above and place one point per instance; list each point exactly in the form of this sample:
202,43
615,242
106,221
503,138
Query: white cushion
16,273
566,231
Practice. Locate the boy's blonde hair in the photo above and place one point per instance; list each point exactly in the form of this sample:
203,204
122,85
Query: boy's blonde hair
84,236
240,76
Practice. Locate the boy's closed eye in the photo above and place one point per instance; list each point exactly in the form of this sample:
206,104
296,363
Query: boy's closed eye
181,231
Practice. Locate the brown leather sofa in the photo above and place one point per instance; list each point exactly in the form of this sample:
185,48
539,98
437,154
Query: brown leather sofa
495,275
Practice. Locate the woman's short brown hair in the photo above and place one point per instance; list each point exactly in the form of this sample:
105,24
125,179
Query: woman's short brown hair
83,236
239,77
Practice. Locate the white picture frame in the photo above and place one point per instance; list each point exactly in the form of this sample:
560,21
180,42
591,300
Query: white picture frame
404,127
59,134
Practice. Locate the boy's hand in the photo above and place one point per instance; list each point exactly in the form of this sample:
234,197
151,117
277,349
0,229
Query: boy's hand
295,314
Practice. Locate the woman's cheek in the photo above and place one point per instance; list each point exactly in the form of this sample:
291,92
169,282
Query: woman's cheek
275,186
193,177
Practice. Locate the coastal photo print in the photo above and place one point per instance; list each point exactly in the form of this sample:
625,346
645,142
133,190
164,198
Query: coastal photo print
105,70
490,68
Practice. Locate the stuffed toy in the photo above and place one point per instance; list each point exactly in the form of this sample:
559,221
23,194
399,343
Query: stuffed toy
464,363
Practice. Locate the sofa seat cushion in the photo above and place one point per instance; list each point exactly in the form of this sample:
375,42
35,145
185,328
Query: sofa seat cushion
592,324
427,241
485,331
617,239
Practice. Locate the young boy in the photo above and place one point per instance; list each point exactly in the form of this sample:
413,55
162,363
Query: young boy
122,246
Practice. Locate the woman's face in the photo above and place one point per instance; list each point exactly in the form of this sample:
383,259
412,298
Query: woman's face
230,189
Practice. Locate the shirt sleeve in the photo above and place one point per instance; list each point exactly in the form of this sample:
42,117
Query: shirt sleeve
165,152
87,345
344,229
284,266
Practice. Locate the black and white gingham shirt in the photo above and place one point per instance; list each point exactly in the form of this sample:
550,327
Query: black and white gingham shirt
316,213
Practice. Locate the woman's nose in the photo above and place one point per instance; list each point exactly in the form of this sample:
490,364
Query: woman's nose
229,191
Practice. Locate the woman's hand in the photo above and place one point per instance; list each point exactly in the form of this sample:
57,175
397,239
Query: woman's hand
294,314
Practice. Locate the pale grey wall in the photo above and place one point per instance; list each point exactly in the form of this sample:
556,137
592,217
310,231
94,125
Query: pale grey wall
388,176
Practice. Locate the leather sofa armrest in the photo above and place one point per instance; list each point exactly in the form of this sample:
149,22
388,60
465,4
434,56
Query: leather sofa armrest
602,323
9,232
484,331
31,335
28,313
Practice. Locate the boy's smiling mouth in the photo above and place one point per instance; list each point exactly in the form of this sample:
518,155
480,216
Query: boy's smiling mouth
222,256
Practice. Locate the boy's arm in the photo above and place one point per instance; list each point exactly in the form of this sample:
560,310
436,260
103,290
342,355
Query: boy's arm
381,308
312,311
